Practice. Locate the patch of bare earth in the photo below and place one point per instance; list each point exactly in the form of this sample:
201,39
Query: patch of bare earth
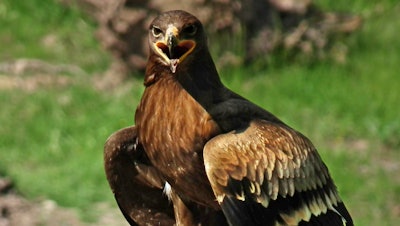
32,74
15,210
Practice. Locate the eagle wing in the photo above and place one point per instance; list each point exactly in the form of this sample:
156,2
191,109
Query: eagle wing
269,174
136,184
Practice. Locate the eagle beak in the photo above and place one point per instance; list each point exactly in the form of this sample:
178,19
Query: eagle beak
172,41
174,50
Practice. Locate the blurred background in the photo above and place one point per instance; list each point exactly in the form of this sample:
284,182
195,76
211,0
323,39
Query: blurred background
71,74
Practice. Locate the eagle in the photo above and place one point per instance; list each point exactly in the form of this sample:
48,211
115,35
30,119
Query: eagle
200,154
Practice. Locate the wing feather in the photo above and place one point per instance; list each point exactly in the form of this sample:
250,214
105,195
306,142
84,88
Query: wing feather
136,184
271,168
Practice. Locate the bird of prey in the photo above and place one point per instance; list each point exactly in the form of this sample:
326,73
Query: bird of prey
200,154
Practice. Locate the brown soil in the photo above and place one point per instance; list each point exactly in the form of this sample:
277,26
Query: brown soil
15,210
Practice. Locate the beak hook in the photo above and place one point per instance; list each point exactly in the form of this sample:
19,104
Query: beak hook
171,42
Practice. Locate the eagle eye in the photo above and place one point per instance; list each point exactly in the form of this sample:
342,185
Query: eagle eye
190,29
156,31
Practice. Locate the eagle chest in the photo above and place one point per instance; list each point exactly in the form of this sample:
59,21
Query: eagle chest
173,129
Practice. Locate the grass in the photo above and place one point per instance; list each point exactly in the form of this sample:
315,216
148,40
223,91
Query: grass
51,138
46,30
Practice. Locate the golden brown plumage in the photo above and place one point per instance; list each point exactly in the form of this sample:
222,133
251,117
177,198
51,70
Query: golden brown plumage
222,159
137,186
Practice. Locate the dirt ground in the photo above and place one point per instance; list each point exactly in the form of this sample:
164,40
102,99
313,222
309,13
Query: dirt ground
15,210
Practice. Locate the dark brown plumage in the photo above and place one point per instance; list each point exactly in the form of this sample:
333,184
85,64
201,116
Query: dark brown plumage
222,159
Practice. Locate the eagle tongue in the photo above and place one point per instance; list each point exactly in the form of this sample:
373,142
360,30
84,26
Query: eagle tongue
173,64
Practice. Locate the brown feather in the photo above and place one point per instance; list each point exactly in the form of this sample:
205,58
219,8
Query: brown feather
275,142
217,150
137,187
171,144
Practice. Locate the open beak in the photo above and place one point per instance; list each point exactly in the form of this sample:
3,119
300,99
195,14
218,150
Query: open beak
172,49
172,42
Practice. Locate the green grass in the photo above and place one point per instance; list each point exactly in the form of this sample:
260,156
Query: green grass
52,146
51,139
46,30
